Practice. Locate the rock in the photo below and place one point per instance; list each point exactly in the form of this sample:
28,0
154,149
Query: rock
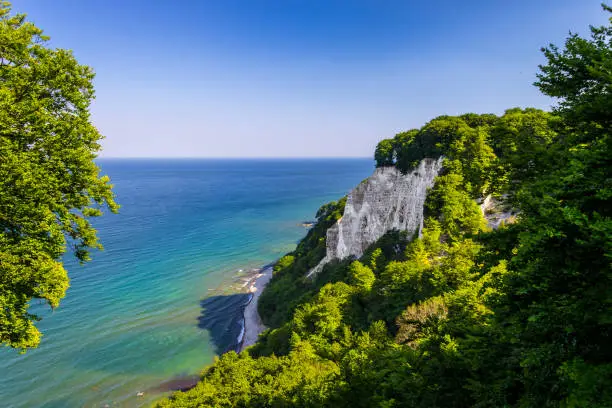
496,212
385,201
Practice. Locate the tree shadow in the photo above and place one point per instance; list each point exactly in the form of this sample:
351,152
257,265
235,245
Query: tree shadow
223,317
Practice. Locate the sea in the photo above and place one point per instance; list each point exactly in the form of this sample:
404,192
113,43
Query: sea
164,297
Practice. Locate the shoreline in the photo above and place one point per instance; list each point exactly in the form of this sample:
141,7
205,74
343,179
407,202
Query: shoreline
255,281
252,324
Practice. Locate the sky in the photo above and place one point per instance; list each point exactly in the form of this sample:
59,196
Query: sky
309,78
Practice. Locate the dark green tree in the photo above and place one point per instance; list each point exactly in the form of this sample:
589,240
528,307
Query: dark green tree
384,154
580,75
553,308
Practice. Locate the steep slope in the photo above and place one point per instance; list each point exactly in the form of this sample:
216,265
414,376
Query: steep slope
387,200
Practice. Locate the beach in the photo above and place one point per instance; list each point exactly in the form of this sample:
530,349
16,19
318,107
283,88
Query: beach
253,325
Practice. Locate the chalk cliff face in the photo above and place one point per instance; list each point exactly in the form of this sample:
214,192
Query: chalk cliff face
385,201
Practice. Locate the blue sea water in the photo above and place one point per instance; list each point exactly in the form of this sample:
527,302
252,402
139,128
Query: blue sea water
156,305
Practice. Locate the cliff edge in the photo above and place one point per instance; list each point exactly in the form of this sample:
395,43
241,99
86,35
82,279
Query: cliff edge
385,201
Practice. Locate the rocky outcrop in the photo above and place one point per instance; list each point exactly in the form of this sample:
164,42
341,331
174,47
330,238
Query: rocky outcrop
497,212
385,201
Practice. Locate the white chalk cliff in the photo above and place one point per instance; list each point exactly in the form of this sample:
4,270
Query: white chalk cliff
385,201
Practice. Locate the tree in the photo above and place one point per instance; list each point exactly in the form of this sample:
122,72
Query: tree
555,310
580,75
384,153
361,276
49,183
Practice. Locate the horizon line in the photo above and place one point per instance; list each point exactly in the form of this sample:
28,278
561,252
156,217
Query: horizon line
234,157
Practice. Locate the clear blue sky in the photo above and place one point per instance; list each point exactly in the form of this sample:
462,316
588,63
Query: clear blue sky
224,78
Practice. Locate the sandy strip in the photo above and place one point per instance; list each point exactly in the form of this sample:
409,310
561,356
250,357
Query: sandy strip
252,322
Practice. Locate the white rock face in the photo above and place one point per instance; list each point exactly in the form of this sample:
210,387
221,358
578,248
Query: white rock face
385,201
495,212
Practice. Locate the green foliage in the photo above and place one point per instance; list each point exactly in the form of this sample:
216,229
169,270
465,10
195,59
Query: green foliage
580,75
550,306
283,263
415,322
461,316
300,379
384,155
288,287
522,138
49,183
361,276
376,260
458,212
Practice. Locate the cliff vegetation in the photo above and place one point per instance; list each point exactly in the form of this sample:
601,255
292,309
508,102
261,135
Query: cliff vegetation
465,315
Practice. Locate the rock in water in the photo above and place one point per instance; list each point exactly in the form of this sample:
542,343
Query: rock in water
385,201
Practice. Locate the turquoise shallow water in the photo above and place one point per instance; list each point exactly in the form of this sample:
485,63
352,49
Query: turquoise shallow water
152,307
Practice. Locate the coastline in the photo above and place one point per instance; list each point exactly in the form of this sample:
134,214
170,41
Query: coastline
252,324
